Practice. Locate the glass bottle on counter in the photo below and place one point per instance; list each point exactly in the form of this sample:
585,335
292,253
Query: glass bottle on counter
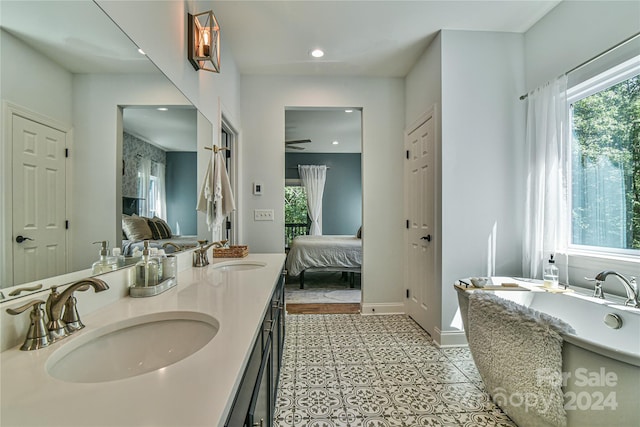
147,269
550,275
117,255
105,263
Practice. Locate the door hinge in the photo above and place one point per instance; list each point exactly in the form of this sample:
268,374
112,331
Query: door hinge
407,154
407,224
228,153
407,293
66,152
66,224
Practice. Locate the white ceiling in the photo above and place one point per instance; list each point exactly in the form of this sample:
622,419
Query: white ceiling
360,38
323,126
77,35
171,130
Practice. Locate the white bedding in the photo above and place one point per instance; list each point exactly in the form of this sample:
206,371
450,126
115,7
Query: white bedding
323,251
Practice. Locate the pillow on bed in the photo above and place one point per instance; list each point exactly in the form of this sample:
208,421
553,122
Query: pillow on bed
159,228
136,228
359,233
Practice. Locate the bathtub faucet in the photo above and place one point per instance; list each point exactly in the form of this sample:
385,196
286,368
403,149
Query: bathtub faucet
629,286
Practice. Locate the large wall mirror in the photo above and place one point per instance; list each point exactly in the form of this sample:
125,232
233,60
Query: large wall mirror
79,103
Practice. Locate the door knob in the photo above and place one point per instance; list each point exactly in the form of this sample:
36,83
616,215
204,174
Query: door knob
427,237
21,239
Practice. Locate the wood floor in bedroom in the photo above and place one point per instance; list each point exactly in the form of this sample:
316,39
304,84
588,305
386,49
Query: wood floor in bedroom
324,293
341,308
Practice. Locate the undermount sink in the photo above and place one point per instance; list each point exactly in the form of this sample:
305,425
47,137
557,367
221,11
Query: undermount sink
132,347
237,265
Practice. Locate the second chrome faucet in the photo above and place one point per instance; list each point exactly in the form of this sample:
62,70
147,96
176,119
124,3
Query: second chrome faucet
629,286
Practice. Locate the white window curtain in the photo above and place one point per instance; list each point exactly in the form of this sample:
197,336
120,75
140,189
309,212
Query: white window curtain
161,192
151,188
313,178
144,179
546,140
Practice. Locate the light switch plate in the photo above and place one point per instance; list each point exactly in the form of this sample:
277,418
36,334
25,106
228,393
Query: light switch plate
263,214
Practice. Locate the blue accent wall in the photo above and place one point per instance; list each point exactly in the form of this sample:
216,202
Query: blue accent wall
182,191
342,199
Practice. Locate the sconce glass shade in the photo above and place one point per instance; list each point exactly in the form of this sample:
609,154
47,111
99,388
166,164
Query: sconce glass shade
204,41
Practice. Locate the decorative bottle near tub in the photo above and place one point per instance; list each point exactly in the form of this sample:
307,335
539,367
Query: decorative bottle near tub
147,269
550,274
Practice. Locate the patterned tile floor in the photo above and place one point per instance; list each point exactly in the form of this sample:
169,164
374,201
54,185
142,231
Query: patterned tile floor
350,370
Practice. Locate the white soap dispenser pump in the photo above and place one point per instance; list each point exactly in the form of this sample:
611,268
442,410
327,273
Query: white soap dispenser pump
105,263
147,269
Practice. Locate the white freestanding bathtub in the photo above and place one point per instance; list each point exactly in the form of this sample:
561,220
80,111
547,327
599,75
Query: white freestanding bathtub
600,364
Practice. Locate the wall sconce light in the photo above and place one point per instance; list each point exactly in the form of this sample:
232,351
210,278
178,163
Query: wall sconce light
204,41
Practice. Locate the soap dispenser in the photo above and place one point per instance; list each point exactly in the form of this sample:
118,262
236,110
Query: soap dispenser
119,258
550,274
105,263
147,269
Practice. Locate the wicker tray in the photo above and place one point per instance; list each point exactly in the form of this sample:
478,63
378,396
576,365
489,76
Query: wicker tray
239,251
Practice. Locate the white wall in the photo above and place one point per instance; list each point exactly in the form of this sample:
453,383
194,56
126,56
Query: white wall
263,100
423,84
476,77
33,81
482,157
574,32
36,84
423,89
96,157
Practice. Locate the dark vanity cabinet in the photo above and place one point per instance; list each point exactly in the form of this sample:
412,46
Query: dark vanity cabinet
255,400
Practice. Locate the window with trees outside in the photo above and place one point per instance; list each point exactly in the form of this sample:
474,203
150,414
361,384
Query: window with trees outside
295,212
604,172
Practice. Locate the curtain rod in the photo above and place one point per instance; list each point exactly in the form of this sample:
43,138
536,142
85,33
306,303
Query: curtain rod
296,168
588,61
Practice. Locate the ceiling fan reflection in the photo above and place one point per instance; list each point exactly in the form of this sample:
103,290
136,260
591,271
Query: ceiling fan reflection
292,144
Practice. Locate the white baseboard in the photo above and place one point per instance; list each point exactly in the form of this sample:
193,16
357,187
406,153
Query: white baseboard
449,338
383,308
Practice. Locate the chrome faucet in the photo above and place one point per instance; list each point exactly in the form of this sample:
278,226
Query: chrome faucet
200,258
175,247
61,307
629,286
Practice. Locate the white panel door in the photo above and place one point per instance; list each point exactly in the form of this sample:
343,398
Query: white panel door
38,201
420,205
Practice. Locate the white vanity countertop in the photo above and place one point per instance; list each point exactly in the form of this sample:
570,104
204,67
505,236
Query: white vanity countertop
196,391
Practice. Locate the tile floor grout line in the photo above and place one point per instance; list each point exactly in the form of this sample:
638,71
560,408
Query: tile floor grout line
463,400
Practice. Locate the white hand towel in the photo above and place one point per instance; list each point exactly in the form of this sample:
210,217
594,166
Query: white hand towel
205,201
228,203
216,198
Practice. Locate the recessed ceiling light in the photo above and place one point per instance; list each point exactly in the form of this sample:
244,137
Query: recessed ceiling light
141,52
348,111
317,53
163,109
335,143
